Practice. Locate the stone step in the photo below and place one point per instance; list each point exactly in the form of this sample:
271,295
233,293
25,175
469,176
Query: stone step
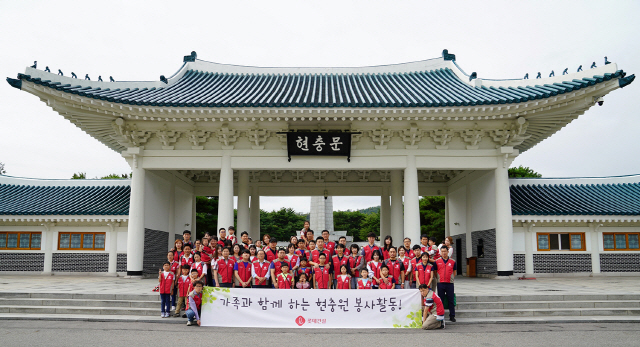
544,320
549,304
128,311
91,318
136,297
548,312
544,297
78,302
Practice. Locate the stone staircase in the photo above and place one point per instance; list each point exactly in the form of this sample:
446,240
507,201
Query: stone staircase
548,308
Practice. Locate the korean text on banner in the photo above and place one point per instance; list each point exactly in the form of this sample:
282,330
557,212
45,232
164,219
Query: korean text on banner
273,308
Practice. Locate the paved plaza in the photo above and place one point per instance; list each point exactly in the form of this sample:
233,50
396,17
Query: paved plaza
464,286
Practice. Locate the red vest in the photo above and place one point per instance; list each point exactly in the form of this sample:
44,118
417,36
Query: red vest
225,269
445,270
293,260
353,262
331,247
244,271
438,303
261,270
277,265
414,263
337,263
183,286
322,277
198,300
187,261
301,252
271,255
199,267
395,268
409,253
406,262
390,285
315,255
174,266
284,282
362,285
166,282
206,254
306,270
343,283
385,254
423,273
368,252
177,255
375,268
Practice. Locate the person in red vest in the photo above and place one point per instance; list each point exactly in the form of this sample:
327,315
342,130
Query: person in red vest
175,269
243,269
187,257
329,245
386,246
367,251
424,243
184,281
276,266
417,252
338,260
446,270
260,271
322,273
343,241
423,271
225,269
386,280
222,236
271,253
199,265
304,269
305,230
408,270
293,258
285,279
433,315
186,235
396,268
364,282
374,268
302,249
356,263
320,249
194,305
343,280
407,247
166,279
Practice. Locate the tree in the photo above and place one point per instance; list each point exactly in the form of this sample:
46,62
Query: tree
351,221
432,216
371,224
114,176
206,215
521,171
2,170
79,176
281,224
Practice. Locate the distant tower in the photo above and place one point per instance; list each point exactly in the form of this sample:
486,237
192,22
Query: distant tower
321,216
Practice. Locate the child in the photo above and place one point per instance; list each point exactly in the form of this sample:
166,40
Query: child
322,274
253,251
343,280
232,235
373,268
304,269
166,279
364,282
302,281
312,246
276,266
200,266
302,251
386,281
433,250
193,276
184,281
194,305
187,258
242,270
259,245
174,269
285,279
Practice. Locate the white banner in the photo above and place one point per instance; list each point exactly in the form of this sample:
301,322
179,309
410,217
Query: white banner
312,308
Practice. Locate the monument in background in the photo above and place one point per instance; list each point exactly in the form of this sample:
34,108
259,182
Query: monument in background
321,215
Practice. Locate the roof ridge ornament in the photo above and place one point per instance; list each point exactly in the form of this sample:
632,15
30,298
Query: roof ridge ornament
46,69
579,68
190,58
606,61
473,76
447,56
35,65
566,71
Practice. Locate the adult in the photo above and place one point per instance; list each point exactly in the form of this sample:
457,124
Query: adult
260,271
329,245
367,251
222,236
244,237
305,229
320,249
448,241
271,251
386,245
406,243
446,270
186,239
433,314
396,268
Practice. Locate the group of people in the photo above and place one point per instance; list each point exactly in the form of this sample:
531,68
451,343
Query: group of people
308,262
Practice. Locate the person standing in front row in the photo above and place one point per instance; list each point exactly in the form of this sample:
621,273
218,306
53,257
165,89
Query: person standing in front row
446,270
166,279
260,271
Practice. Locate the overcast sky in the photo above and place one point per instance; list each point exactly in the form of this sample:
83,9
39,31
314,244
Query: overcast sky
133,40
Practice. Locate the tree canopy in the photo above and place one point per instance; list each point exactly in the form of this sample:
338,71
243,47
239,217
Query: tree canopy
521,171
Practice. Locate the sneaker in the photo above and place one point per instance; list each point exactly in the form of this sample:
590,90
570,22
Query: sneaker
184,315
452,318
441,325
188,323
173,308
162,315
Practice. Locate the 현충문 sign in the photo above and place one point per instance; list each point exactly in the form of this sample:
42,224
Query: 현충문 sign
274,308
319,144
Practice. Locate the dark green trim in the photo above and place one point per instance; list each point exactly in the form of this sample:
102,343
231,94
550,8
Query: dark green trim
14,83
625,81
447,56
190,58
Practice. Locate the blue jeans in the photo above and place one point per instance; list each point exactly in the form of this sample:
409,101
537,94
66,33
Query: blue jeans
165,303
190,315
397,286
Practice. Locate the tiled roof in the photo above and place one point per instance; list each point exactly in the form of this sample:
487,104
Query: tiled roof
64,200
576,199
433,88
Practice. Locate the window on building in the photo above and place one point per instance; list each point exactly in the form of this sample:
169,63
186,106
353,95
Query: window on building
561,242
621,241
20,240
81,241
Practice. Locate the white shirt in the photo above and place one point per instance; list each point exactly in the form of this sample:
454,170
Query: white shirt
253,270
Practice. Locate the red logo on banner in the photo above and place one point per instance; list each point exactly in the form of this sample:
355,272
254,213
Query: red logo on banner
300,320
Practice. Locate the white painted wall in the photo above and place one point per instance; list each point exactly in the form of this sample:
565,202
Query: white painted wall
156,202
183,210
518,239
483,213
457,204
